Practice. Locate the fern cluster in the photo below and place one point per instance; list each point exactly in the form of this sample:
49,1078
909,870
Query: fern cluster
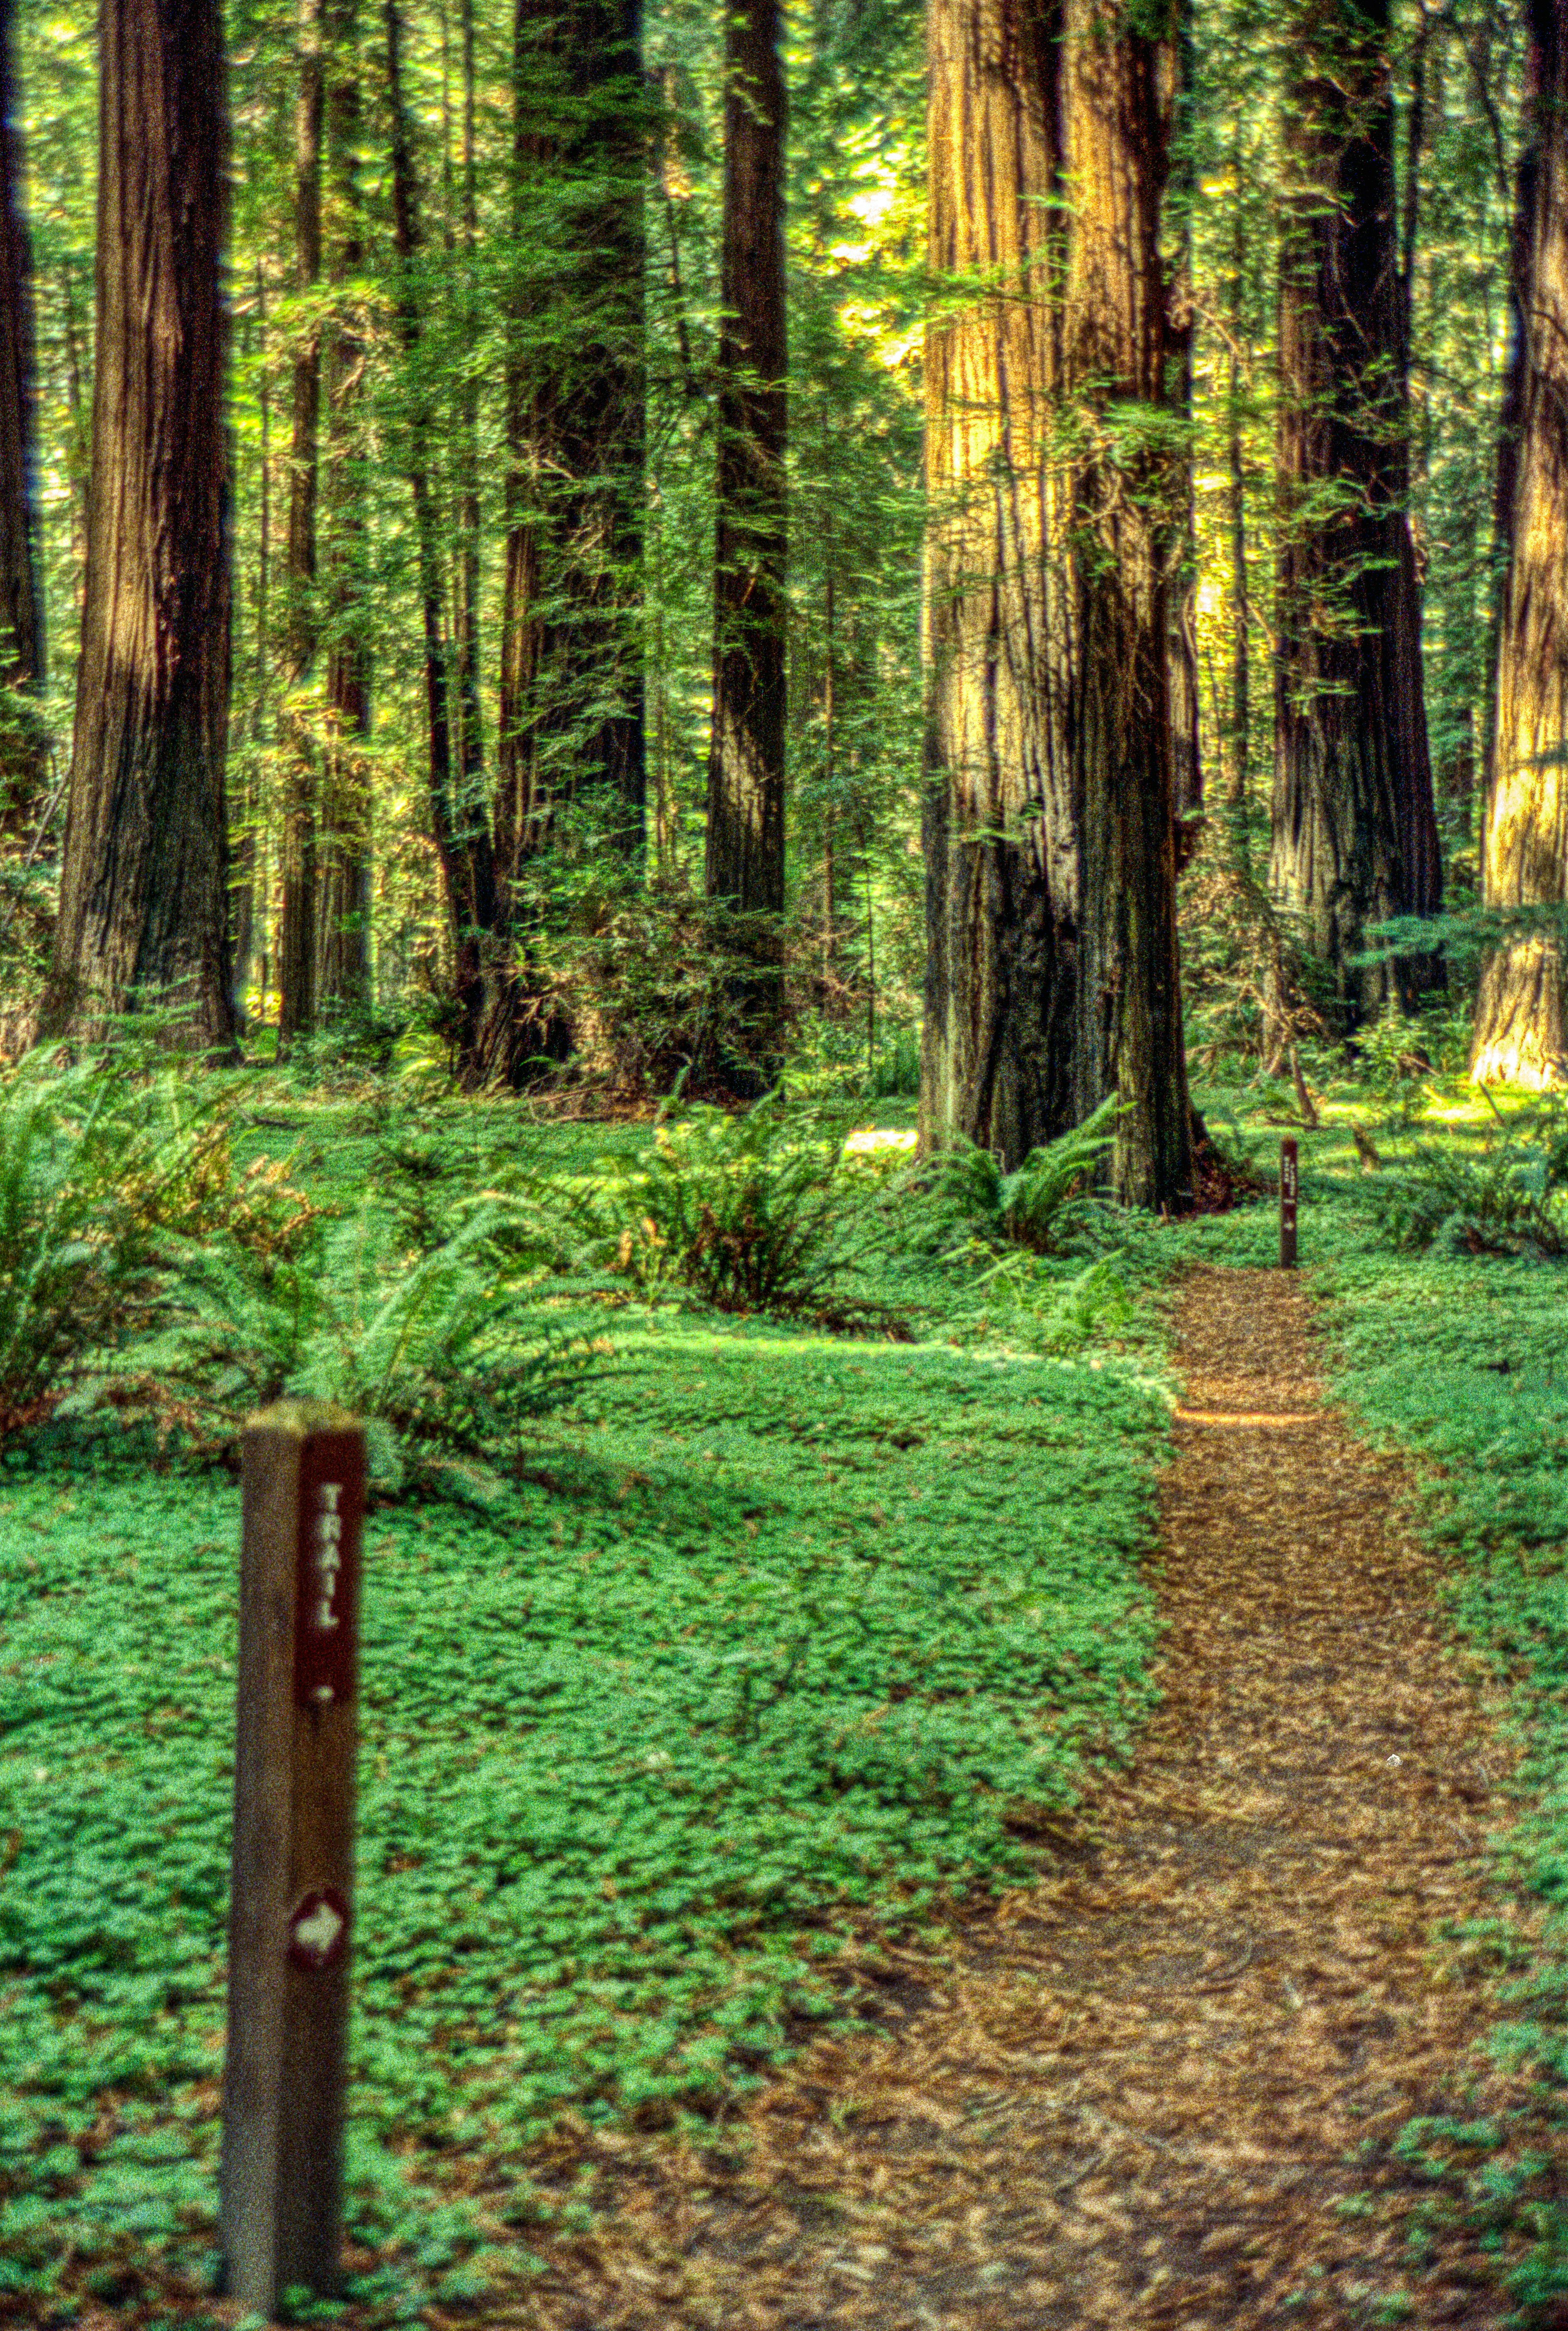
749,1211
1048,1204
443,1355
101,1162
145,1278
1508,1199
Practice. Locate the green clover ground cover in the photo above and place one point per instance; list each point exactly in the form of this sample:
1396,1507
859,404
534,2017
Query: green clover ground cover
786,1629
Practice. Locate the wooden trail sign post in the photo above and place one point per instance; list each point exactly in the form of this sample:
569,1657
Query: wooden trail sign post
291,1907
1289,1190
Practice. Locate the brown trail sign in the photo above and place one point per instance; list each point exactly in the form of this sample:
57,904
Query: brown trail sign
292,1913
1289,1187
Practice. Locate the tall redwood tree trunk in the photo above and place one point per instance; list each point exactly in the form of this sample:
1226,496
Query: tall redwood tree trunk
1186,721
468,736
1354,825
343,840
1129,509
1050,865
571,702
21,603
297,920
144,904
1521,1032
461,828
746,768
1002,873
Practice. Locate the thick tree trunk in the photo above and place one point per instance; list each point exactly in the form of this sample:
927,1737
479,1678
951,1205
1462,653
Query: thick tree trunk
297,920
1181,659
343,905
144,903
79,452
1051,864
1354,826
246,888
1241,618
746,768
1000,821
21,603
461,829
1521,1032
469,737
1128,508
571,708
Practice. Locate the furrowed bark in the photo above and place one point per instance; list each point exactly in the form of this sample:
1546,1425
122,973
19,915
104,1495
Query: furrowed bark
297,918
1051,861
746,768
1354,825
344,861
1001,817
21,601
571,708
1129,505
461,827
1521,1034
144,902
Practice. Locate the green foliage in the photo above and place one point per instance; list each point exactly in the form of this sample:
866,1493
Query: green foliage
748,1210
652,978
895,1070
444,1356
1249,988
1396,1050
1023,1300
779,1632
100,1161
28,806
1502,1198
1048,1203
62,1275
146,1278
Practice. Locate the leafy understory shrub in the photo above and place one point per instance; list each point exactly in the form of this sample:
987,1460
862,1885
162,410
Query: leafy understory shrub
1508,1199
1024,1300
1047,1204
750,1211
443,1358
1396,1051
434,1183
104,1164
1249,984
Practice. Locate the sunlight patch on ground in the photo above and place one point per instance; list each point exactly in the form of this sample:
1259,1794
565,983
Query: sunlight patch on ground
871,1137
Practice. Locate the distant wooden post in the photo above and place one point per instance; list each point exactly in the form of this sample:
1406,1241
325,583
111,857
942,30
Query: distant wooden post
1288,1195
292,1913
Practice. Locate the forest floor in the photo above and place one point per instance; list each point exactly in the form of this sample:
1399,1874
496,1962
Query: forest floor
1164,2085
803,1877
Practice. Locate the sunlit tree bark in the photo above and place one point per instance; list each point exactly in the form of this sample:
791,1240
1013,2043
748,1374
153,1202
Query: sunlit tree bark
343,844
297,916
144,906
1051,909
1001,819
1520,1032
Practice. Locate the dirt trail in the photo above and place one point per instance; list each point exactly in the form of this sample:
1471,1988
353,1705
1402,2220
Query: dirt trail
1130,2095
